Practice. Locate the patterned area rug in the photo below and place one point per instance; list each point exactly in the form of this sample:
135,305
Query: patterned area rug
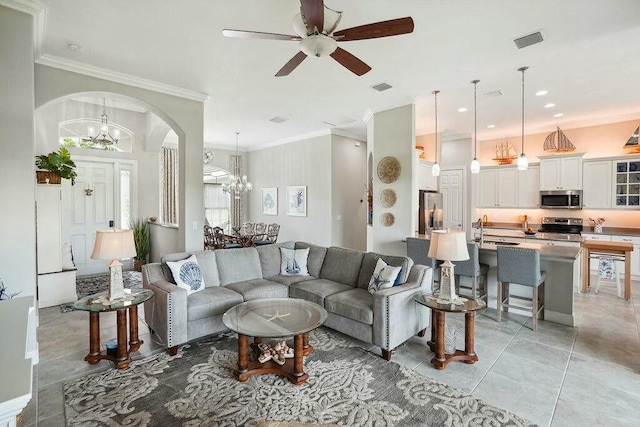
346,386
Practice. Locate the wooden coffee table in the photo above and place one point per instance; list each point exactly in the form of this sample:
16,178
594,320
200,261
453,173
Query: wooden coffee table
436,343
274,318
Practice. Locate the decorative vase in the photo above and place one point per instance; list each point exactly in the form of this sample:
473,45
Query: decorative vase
597,228
450,335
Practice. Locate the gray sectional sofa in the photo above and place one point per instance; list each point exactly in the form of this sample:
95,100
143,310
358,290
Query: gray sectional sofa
338,282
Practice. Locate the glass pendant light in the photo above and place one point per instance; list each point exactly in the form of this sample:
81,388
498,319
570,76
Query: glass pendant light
475,164
523,162
435,170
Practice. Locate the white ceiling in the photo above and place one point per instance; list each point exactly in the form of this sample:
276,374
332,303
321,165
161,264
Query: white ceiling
589,62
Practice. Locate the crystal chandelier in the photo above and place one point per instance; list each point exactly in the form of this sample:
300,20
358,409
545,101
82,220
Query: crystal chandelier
104,137
238,183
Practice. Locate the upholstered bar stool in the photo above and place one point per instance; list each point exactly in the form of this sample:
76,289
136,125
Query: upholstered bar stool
522,267
475,270
417,250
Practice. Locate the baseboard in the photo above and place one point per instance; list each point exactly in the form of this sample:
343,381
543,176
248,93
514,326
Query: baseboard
562,318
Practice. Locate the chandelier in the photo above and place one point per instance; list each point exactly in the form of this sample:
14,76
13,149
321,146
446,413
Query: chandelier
104,136
238,183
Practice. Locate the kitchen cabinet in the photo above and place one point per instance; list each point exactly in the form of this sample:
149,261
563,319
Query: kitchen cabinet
627,184
593,263
635,255
596,179
425,179
561,172
498,187
529,187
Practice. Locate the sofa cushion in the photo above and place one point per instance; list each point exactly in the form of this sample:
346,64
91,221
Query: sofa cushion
342,265
187,274
259,289
206,261
316,257
289,280
369,261
238,265
294,262
316,290
269,259
356,304
211,301
384,276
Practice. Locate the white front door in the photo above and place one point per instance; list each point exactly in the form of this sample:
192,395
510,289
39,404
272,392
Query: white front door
88,206
452,189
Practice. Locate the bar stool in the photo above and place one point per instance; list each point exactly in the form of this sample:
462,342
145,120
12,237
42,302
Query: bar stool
417,250
608,269
474,269
522,267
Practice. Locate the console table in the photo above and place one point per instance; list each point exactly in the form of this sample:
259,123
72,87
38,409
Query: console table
607,248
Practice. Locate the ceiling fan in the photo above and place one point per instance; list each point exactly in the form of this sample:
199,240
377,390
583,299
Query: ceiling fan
315,28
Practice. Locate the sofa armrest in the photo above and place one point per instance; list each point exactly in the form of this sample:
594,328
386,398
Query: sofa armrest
166,313
396,316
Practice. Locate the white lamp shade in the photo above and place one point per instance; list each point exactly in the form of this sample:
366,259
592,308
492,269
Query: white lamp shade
114,244
448,245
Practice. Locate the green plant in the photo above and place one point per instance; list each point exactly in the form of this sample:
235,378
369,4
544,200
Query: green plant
59,163
4,294
141,238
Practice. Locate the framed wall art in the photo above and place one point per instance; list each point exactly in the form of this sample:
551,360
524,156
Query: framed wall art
297,200
270,201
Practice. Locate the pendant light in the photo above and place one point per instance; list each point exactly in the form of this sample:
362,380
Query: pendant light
475,164
523,162
435,170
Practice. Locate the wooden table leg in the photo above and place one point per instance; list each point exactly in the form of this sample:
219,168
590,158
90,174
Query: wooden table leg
243,357
122,355
134,342
94,338
627,274
439,360
298,369
432,340
586,273
307,349
469,331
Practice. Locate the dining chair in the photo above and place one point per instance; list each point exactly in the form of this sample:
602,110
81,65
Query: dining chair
270,237
248,228
221,240
209,238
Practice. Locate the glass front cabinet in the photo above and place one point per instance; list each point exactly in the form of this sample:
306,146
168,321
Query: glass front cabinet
627,183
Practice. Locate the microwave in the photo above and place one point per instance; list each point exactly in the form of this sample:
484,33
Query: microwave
561,199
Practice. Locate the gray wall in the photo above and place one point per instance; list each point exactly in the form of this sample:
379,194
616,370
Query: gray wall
306,162
17,174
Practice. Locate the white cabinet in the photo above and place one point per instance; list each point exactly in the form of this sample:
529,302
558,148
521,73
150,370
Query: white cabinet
561,172
529,187
635,255
425,178
498,187
596,179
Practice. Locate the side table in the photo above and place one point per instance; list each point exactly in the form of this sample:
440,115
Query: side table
95,306
436,344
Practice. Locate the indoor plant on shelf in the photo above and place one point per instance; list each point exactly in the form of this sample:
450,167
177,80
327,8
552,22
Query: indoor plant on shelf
142,241
54,166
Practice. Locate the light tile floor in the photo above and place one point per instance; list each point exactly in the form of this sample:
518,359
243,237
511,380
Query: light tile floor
557,376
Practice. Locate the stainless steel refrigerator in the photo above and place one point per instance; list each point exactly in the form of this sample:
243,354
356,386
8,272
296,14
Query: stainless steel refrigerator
430,216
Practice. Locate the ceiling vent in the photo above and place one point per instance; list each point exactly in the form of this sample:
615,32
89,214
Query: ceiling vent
277,119
381,87
493,94
528,40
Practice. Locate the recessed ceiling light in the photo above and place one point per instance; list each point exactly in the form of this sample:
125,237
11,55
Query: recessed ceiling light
490,126
549,105
381,87
542,92
462,109
558,115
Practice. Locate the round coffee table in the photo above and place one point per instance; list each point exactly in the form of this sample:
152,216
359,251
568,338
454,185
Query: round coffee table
436,343
95,305
274,318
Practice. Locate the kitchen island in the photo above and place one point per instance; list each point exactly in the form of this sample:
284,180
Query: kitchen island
561,263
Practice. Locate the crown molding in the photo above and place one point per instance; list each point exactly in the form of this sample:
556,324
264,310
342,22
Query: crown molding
350,135
118,77
298,138
38,11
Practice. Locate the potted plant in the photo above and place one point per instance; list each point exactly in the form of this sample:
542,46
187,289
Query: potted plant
54,166
142,241
3,292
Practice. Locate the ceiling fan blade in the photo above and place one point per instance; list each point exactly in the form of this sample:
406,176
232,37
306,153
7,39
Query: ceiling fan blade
393,27
242,34
313,14
350,62
291,65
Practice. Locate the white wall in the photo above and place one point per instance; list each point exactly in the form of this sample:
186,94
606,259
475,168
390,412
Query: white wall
17,174
392,133
306,162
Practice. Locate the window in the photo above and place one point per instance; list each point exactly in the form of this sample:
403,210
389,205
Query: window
216,206
125,199
169,185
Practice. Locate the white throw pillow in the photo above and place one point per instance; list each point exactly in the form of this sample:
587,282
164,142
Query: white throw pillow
294,262
187,274
67,257
384,276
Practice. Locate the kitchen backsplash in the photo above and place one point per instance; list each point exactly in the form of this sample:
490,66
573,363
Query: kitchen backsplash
613,218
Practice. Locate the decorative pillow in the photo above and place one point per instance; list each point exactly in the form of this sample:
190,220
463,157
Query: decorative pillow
384,276
67,257
294,262
187,274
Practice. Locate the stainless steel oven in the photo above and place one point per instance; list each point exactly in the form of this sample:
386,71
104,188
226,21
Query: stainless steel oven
561,199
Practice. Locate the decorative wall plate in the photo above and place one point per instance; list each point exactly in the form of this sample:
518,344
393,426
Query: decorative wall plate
388,219
388,169
388,198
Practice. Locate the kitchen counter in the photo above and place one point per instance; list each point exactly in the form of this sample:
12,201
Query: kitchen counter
517,227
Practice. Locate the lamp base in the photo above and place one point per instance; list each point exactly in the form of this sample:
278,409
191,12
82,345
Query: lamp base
447,293
116,286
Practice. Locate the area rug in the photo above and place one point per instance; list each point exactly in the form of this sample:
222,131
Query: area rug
347,386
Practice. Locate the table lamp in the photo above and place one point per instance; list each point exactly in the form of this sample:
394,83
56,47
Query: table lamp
114,244
448,246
